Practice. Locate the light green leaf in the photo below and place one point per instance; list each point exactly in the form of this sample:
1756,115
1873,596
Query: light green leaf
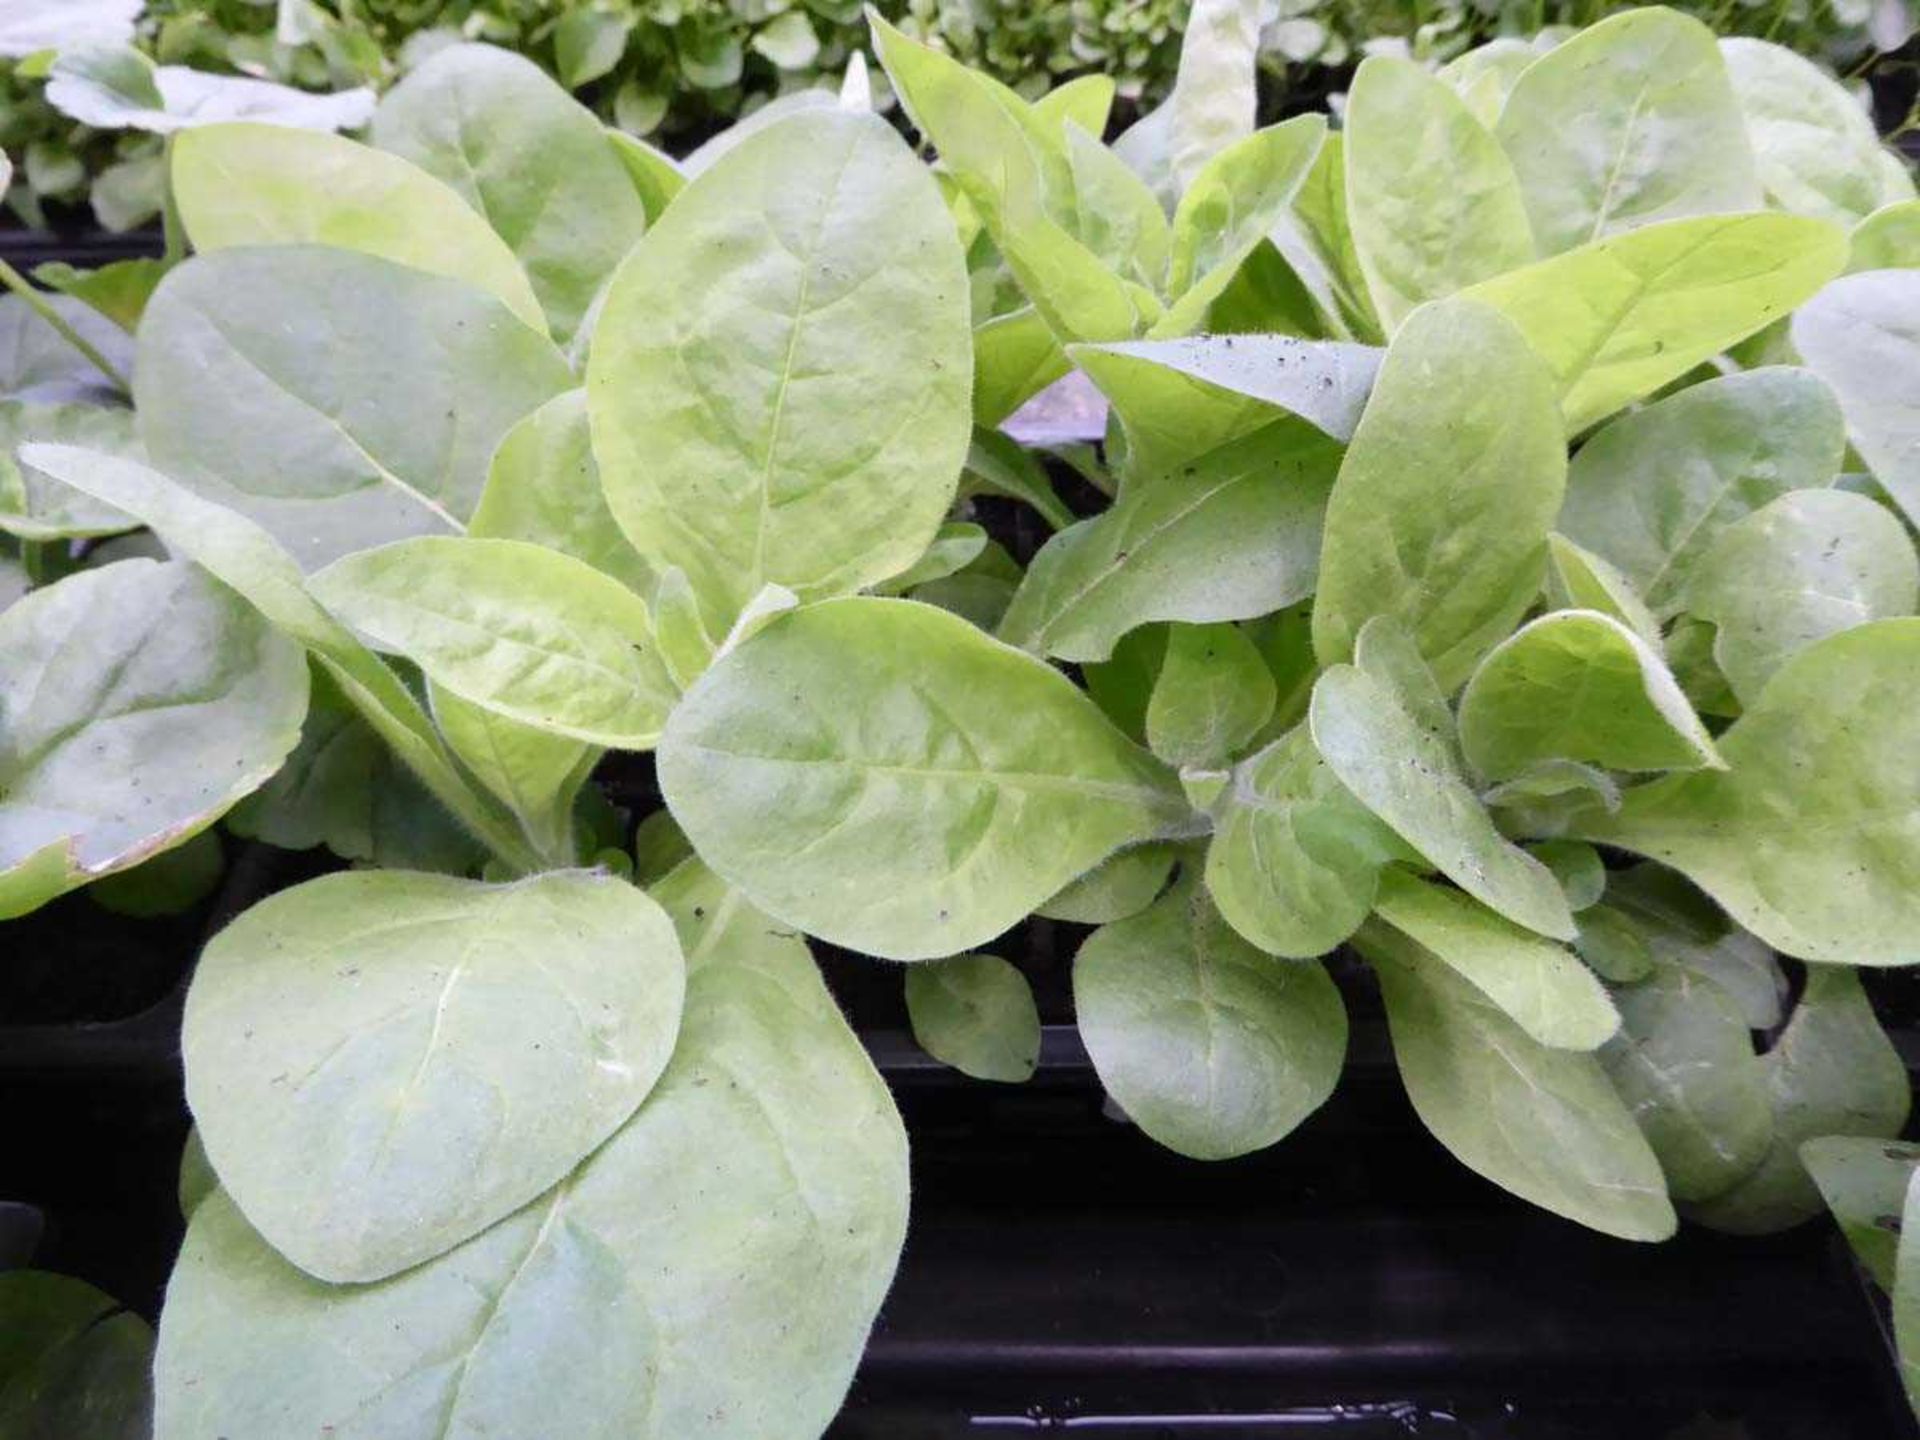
1211,1047
1540,1122
138,702
1628,123
1808,837
956,545
780,378
73,1362
1612,944
1654,489
1234,535
975,1013
1123,884
1406,776
1833,1071
543,486
1015,357
588,44
1113,212
1618,319
535,773
114,87
119,290
1213,100
656,177
1862,336
1864,1182
528,633
913,808
708,1274
1485,75
38,363
1538,985
243,185
1580,580
1295,859
980,592
34,507
529,159
337,399
1441,511
1815,144
1680,926
1888,239
795,102
1431,197
1808,565
1684,1064
383,1064
1085,100
1213,694
1317,243
1578,685
1578,867
997,464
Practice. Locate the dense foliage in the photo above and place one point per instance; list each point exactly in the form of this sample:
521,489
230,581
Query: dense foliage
674,70
1507,598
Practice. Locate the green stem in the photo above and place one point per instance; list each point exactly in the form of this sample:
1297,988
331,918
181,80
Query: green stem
17,283
35,560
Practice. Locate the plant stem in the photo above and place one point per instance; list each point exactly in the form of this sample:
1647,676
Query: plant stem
17,283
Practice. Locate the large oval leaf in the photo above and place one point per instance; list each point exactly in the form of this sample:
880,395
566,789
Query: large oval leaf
1653,489
1441,512
383,1064
914,804
1619,318
1431,197
526,156
1578,685
1540,1122
138,702
1211,1047
268,185
338,399
1862,336
1811,837
527,632
781,376
1233,535
709,1274
1631,121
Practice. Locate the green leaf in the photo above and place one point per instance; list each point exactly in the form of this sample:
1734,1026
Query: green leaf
1085,100
1807,837
118,290
1815,144
1808,565
956,545
950,783
1538,985
1865,1182
1295,859
780,378
348,1063
1580,580
997,464
243,185
1888,239
38,363
1540,1122
543,486
1407,776
528,633
1213,99
1015,357
1234,535
1431,197
138,702
1578,867
337,399
711,1271
1578,685
1213,695
1680,926
171,883
1653,490
1628,123
1833,1071
1123,884
1113,212
535,773
73,1362
1317,243
36,508
1612,944
588,44
1620,318
655,175
1862,336
1684,1064
1441,511
115,87
975,1013
526,157
1211,1047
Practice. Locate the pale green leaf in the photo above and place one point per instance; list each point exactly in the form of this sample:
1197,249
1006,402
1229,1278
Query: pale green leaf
913,807
383,1064
1123,884
1578,579
1213,101
1864,1182
779,380
34,507
1210,1046
115,87
1213,694
1888,239
1680,926
1317,244
655,176
39,364
535,773
1862,336
975,1013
